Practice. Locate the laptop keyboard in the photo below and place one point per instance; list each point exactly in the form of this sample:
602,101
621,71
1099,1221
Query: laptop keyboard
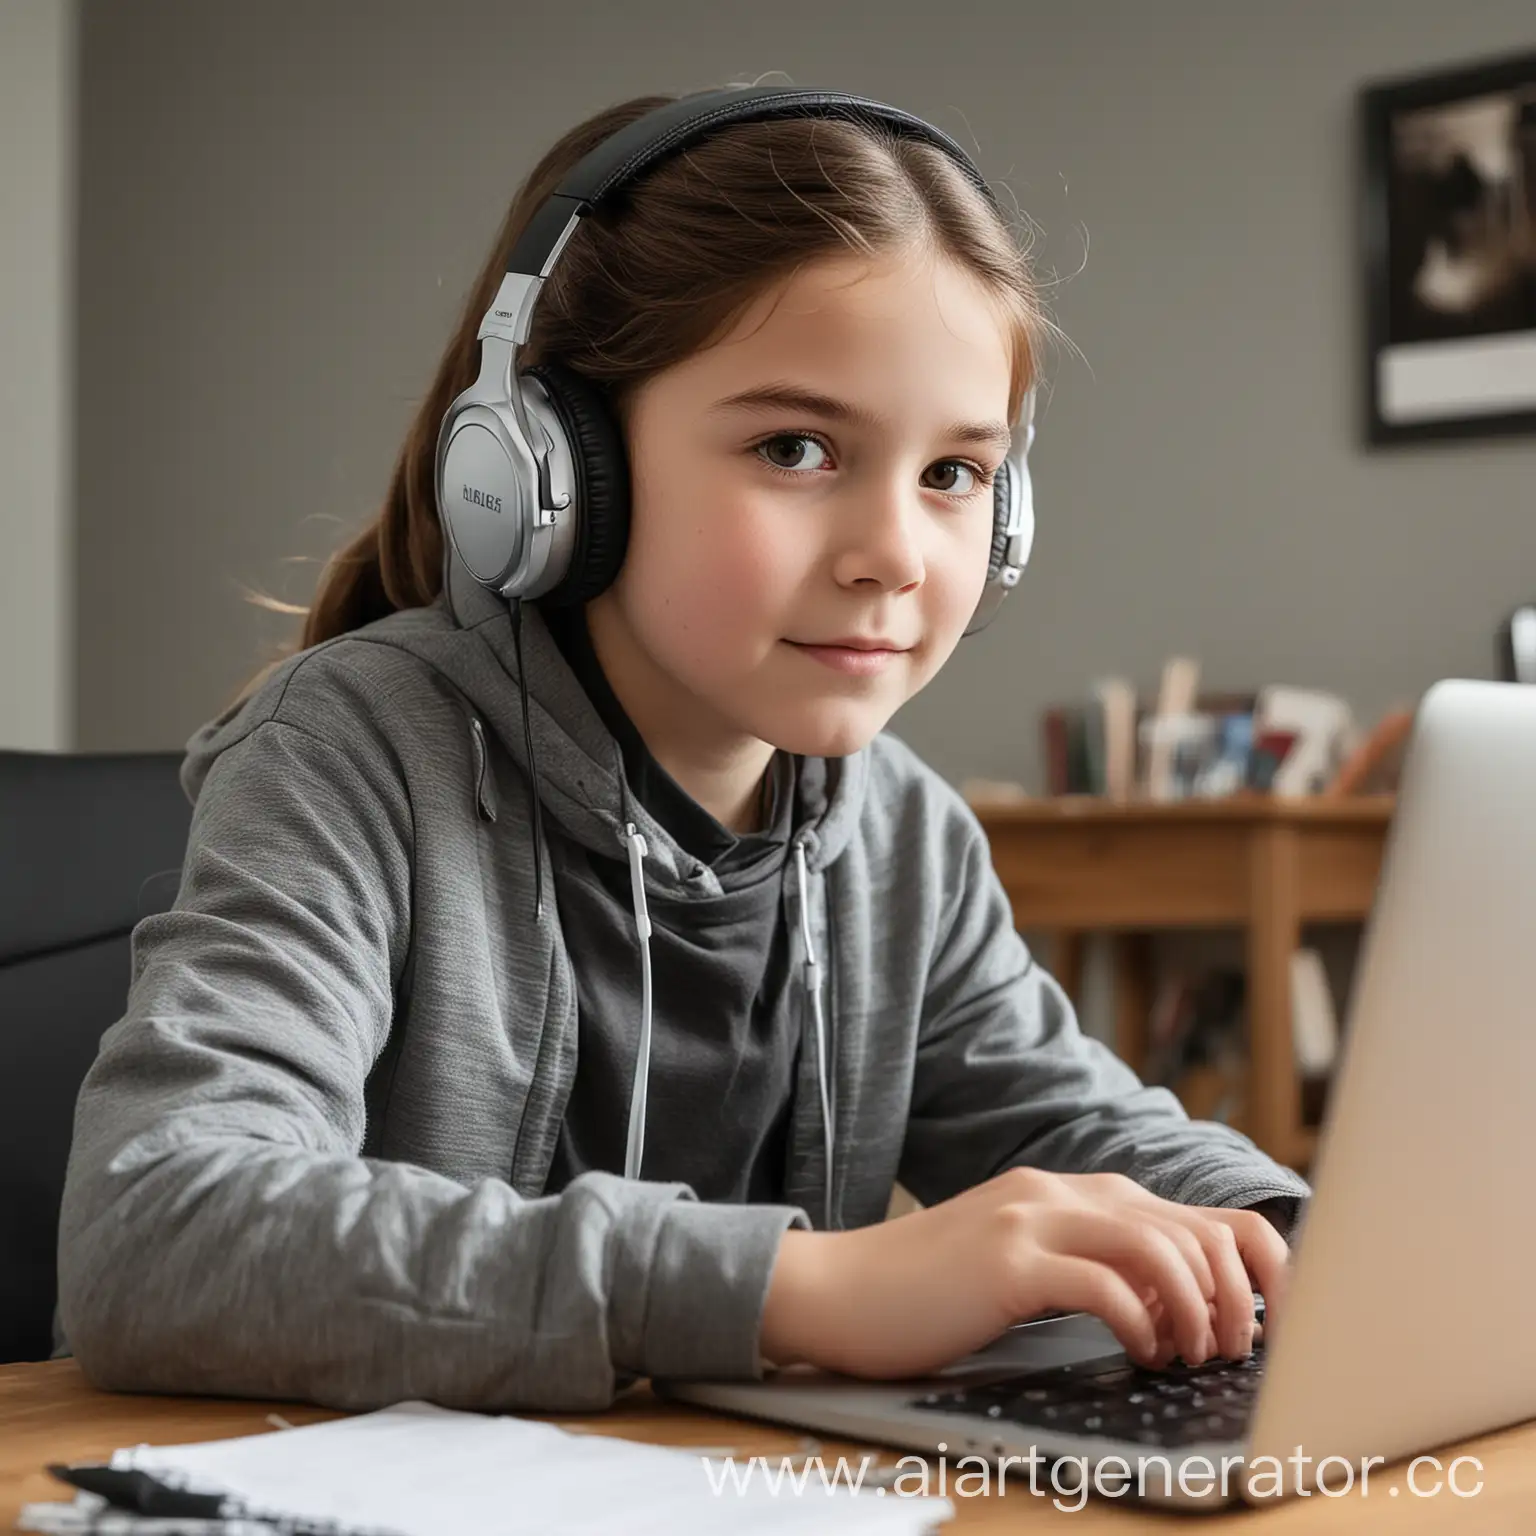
1178,1406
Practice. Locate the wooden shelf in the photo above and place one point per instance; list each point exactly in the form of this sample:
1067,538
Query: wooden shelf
1290,810
1265,864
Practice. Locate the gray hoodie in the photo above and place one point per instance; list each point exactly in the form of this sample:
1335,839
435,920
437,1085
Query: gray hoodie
310,1161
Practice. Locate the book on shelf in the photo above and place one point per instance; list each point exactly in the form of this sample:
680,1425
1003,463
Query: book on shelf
1324,729
1376,764
1314,1019
1175,708
1115,701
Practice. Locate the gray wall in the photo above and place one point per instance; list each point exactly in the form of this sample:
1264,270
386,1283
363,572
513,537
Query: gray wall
284,202
37,182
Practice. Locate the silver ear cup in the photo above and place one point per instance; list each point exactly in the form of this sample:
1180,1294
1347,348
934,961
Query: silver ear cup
490,498
1022,539
482,497
1013,526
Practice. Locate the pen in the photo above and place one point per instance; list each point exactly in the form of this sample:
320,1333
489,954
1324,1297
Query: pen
142,1493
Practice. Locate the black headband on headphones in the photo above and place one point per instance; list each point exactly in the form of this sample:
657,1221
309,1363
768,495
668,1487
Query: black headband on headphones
634,149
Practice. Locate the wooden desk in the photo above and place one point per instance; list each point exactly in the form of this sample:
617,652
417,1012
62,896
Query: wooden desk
1075,866
49,1413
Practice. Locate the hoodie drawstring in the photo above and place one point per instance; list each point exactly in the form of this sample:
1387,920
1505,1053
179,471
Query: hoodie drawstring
813,986
634,1152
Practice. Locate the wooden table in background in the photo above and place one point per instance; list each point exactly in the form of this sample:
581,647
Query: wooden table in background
1076,866
48,1413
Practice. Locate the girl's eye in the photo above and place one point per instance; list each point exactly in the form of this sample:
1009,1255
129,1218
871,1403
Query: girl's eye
960,478
787,451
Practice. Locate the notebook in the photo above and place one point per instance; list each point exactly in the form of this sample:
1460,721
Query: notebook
416,1469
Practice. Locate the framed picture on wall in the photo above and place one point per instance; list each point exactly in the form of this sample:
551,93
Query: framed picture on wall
1450,252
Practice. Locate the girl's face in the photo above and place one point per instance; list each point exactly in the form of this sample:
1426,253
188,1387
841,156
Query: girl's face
812,508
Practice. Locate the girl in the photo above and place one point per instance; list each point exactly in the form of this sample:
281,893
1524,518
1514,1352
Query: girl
363,1132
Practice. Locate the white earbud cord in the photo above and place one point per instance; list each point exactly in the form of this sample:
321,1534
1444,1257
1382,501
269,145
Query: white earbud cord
635,1151
813,986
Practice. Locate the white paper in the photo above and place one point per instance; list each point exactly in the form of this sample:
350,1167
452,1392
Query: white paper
419,1470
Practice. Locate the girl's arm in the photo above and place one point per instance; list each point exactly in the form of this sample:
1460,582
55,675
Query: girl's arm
221,1232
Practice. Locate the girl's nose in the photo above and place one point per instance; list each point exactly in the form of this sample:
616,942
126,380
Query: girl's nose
881,544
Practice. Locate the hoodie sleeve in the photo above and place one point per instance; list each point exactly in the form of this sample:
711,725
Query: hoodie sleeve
221,1231
1005,1077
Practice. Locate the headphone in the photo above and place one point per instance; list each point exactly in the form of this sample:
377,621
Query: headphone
532,477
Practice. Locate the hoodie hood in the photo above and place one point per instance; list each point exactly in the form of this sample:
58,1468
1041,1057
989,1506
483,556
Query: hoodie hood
465,636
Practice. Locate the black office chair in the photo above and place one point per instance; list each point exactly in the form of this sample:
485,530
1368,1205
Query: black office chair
88,846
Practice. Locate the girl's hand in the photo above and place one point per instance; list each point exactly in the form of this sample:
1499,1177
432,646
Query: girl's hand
905,1297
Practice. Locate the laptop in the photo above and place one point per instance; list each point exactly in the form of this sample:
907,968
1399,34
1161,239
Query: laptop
1407,1324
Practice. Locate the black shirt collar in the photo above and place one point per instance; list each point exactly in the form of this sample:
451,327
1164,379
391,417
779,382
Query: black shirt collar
696,831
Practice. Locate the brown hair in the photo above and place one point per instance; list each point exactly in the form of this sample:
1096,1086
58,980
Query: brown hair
645,284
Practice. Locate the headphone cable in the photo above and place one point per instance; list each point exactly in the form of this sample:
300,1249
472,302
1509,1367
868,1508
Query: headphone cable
533,767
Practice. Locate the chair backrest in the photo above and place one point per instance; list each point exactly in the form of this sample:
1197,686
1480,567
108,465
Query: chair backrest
88,846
